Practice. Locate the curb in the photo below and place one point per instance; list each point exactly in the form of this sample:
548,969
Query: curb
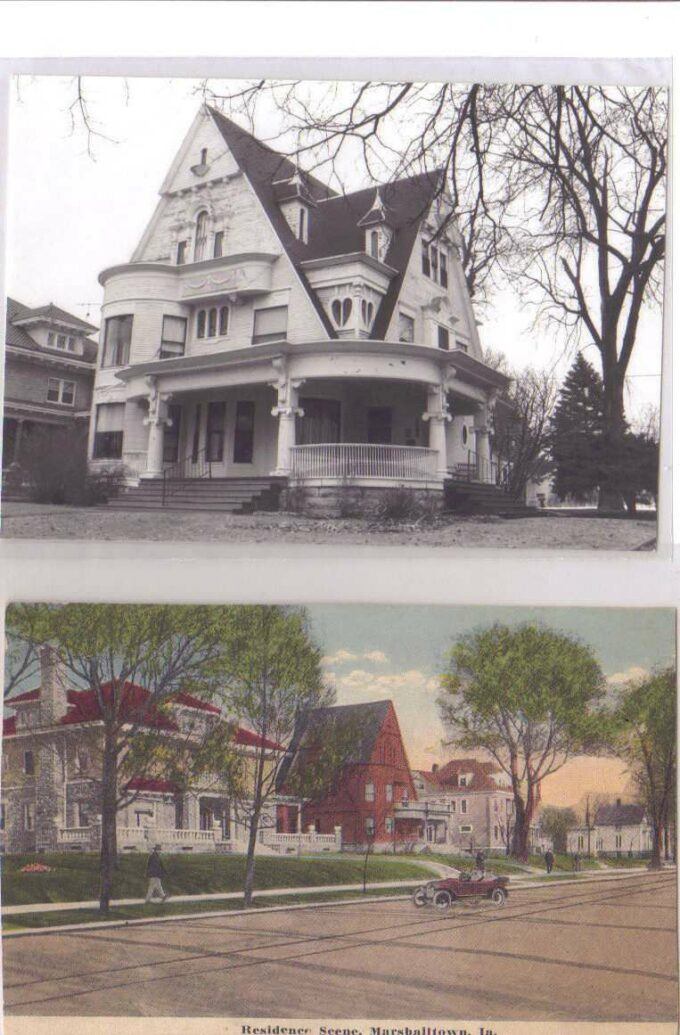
141,921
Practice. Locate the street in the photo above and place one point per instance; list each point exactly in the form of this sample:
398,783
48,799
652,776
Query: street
600,951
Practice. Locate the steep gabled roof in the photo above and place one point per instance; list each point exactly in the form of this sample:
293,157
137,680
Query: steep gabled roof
334,228
318,725
619,815
18,336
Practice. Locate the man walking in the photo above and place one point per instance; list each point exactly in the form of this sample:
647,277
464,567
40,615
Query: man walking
154,871
549,861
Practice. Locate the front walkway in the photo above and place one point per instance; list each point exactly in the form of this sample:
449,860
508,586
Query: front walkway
45,521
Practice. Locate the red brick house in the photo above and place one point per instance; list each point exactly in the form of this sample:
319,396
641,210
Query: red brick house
373,794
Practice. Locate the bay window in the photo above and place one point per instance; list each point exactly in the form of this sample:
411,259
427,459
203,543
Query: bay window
173,336
117,337
108,436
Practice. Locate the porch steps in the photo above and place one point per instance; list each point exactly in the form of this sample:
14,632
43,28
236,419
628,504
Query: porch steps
229,495
467,497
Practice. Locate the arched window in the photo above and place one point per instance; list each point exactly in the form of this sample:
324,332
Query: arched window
465,434
212,323
375,244
341,310
200,324
366,312
302,225
224,319
201,236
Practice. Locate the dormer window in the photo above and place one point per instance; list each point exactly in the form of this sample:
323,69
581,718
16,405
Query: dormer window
201,236
204,156
375,244
341,310
435,263
367,311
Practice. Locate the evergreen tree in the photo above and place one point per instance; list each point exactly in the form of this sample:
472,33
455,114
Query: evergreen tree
576,432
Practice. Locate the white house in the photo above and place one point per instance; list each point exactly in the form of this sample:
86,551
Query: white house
617,829
271,331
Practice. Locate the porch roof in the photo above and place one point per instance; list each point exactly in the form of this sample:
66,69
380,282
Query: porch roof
467,369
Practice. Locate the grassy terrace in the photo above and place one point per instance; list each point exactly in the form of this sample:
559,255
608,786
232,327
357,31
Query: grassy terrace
75,878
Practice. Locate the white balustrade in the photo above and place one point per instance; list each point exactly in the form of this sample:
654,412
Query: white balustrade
273,838
74,835
363,460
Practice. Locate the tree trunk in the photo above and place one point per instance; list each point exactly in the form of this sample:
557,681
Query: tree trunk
655,863
520,833
250,858
610,496
109,795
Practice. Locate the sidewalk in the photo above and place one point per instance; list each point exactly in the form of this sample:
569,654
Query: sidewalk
516,883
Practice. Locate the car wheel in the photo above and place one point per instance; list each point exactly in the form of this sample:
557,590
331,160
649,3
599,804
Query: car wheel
442,900
499,896
419,898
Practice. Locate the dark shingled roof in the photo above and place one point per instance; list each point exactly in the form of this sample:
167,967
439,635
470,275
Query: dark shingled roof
20,338
367,719
333,227
619,815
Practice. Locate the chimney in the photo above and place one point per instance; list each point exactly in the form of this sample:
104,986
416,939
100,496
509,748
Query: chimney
52,686
435,767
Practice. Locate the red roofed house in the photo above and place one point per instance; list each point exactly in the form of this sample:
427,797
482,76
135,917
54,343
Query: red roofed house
271,331
480,802
49,373
374,797
51,769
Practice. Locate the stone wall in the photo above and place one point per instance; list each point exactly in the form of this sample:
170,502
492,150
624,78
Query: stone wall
348,500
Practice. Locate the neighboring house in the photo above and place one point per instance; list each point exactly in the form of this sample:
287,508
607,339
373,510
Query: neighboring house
266,326
480,801
51,771
373,798
617,829
50,366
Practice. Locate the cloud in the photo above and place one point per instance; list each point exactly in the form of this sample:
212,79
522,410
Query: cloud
633,673
362,685
343,657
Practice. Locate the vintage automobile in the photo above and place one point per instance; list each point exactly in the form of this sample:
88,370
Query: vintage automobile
443,893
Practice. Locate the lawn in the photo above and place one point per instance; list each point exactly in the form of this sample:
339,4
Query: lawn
624,862
75,878
565,862
499,866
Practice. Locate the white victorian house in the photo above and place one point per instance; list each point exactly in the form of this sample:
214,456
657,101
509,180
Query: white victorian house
270,333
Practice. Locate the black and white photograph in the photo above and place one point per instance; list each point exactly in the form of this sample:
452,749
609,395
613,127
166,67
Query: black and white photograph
348,312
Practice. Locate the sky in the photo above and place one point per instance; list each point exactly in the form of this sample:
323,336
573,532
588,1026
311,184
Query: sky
397,652
72,215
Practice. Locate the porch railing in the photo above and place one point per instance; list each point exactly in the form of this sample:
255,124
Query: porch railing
196,465
364,460
479,469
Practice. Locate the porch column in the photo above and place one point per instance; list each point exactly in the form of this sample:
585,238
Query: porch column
157,421
286,410
438,416
482,430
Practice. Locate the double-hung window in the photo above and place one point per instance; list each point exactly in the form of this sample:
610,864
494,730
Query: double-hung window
117,337
62,392
173,336
369,792
270,324
108,435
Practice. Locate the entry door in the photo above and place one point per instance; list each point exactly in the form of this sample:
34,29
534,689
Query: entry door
244,432
171,435
379,425
321,422
215,431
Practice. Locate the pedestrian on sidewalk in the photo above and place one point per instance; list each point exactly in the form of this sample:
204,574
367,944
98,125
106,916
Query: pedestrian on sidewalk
577,862
549,861
154,871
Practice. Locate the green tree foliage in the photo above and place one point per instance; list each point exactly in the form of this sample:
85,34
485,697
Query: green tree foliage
587,459
556,822
270,676
576,432
165,649
646,740
528,696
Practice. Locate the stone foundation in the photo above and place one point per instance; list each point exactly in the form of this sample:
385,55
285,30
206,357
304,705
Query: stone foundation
347,500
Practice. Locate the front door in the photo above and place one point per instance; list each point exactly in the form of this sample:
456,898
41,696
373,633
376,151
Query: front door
215,431
320,423
379,425
244,432
171,435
